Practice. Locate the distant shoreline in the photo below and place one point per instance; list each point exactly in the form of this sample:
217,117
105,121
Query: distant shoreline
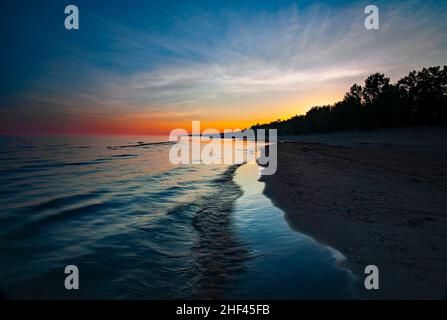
434,136
376,199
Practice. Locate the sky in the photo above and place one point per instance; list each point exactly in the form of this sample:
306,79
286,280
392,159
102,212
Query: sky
147,67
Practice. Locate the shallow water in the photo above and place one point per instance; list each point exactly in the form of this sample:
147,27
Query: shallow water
139,227
285,264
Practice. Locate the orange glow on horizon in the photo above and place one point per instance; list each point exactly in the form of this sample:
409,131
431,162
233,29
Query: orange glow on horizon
216,117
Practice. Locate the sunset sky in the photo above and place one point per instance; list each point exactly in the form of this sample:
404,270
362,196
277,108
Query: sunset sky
146,67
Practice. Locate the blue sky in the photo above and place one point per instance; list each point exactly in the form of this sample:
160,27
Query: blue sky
138,65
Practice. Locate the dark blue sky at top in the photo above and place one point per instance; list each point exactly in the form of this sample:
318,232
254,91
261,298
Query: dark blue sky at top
33,33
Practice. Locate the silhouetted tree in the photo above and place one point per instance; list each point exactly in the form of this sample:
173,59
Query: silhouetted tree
418,98
375,85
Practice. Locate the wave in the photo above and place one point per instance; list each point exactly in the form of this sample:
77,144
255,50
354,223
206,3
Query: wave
60,216
44,165
141,144
217,253
169,231
64,201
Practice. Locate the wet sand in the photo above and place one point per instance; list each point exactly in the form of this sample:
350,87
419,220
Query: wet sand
381,204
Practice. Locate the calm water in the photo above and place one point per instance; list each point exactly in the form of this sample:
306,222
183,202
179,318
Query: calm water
140,227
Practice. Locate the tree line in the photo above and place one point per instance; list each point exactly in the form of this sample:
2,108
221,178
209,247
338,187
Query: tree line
420,98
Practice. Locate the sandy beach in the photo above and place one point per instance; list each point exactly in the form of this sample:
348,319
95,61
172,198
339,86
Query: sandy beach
378,198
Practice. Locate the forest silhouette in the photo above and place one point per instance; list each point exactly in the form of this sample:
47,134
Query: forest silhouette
420,98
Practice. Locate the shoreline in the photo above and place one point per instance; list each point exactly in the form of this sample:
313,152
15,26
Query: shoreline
382,204
280,257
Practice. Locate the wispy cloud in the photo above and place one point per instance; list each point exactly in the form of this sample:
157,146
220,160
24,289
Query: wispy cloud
240,60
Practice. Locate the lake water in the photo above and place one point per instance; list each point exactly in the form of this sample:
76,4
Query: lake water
139,227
